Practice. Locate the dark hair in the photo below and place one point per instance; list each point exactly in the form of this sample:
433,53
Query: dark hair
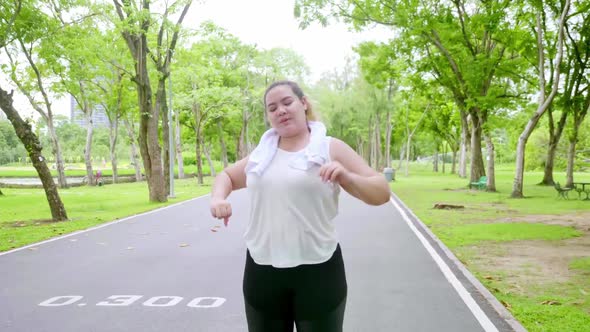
297,91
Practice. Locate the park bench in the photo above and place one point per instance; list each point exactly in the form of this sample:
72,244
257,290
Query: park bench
561,191
482,183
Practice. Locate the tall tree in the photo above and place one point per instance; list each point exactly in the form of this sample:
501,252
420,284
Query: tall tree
34,148
166,41
380,69
73,57
544,101
136,22
460,44
35,25
8,17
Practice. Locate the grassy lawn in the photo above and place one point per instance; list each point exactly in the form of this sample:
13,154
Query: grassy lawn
24,212
489,221
79,170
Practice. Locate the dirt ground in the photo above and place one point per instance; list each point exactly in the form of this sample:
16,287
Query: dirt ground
536,262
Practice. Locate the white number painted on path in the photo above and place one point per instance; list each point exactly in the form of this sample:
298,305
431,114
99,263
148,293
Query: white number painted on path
55,301
127,300
120,300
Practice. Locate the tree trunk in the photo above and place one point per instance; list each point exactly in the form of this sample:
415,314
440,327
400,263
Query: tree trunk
579,116
243,141
207,151
59,162
454,165
388,130
378,155
149,144
408,145
402,153
544,103
464,142
388,127
113,135
435,159
571,157
444,155
491,168
88,148
554,137
162,108
359,146
33,146
199,142
134,155
477,167
179,158
222,144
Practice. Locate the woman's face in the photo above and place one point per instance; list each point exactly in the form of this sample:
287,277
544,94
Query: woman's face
286,112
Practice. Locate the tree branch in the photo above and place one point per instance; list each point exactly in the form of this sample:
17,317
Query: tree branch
461,12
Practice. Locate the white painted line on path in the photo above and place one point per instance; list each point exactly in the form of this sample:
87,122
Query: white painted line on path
100,226
481,317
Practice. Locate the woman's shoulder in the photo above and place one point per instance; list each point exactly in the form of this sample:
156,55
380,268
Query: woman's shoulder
338,148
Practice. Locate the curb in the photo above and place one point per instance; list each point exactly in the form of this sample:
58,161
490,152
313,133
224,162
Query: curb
450,257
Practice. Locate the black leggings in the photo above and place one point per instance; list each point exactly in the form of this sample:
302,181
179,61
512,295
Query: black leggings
313,296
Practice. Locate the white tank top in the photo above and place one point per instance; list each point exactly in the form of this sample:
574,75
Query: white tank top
291,214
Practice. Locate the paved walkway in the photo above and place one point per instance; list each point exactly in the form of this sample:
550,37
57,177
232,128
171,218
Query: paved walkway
172,270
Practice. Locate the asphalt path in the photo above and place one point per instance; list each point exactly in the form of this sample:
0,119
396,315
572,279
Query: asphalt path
178,269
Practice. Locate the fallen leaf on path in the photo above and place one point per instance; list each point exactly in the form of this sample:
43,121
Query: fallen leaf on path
184,245
213,230
216,226
130,248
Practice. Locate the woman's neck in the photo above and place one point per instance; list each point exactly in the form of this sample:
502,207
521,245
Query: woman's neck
296,142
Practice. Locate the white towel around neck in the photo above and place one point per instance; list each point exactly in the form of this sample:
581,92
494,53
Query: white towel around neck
316,152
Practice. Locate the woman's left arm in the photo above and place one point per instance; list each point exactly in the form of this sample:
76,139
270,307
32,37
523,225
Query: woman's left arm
354,175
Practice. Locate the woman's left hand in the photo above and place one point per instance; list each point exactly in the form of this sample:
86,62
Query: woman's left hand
335,172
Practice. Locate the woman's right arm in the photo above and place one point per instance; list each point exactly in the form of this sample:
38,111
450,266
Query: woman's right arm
231,178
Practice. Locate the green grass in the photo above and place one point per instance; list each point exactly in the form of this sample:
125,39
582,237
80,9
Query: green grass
480,205
538,317
24,213
582,264
486,218
79,170
463,235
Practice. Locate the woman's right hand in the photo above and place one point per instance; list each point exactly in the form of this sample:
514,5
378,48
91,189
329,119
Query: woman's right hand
220,209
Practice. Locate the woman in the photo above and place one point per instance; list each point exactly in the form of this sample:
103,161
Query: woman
294,269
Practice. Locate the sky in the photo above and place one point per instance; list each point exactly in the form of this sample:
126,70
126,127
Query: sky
270,23
267,24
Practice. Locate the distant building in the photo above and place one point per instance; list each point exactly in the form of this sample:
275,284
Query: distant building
99,116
